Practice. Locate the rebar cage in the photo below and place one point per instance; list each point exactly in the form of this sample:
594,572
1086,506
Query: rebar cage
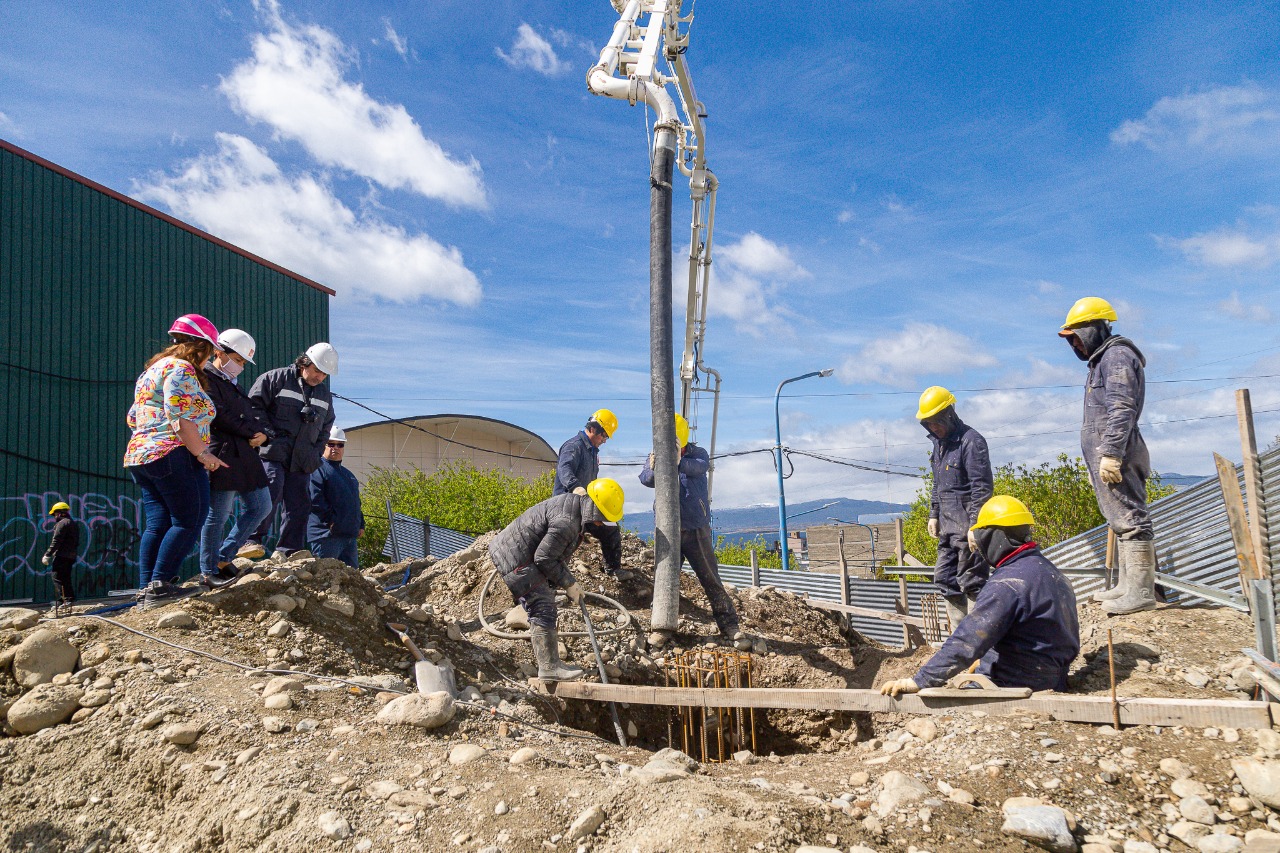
715,732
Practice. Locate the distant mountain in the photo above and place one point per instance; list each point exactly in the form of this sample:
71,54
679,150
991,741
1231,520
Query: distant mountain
750,520
1181,481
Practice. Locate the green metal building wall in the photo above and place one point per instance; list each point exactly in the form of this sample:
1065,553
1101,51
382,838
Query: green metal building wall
89,282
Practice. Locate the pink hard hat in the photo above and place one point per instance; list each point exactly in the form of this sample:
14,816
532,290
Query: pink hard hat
195,326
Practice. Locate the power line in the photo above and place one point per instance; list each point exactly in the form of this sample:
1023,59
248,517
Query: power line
66,468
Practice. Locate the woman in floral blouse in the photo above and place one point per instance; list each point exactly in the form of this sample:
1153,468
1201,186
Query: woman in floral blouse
168,454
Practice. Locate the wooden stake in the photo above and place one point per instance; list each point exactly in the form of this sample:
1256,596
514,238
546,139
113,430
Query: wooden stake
1253,485
1111,664
1236,520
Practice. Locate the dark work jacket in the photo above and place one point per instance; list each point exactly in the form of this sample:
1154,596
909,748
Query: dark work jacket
335,503
545,536
282,395
66,540
578,465
1023,626
695,506
236,418
1113,397
962,480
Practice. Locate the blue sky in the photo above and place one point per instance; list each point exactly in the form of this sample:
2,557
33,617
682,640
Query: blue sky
911,192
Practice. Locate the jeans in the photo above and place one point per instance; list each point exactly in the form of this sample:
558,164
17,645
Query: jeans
293,489
175,500
338,548
696,547
214,548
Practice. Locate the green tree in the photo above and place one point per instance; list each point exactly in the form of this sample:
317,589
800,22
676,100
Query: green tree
459,495
739,554
1058,494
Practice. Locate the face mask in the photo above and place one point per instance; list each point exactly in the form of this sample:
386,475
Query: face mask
231,368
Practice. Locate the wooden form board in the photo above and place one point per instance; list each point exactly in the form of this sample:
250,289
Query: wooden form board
1200,713
1236,520
1253,485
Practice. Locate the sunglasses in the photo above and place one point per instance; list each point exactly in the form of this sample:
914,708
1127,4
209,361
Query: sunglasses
338,444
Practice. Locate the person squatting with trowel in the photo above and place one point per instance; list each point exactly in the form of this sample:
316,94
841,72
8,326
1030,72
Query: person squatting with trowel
532,554
962,483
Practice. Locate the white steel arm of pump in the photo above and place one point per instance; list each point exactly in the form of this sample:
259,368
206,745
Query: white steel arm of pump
601,79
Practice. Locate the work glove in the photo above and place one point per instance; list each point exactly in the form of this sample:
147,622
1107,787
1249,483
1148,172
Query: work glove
933,528
574,592
1109,470
899,686
44,560
973,543
580,491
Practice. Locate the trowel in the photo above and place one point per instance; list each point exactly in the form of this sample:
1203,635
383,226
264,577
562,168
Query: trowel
430,677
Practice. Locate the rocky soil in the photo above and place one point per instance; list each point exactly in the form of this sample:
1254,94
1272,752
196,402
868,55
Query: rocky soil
193,735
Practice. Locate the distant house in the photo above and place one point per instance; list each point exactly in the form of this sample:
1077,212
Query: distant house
828,541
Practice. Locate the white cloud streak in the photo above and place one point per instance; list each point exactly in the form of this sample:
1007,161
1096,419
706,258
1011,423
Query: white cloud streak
1219,119
296,83
750,274
240,194
534,52
1236,309
1229,248
919,349
398,42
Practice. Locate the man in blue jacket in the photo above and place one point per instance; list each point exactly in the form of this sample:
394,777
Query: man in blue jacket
336,520
696,543
1023,627
962,483
1114,451
577,466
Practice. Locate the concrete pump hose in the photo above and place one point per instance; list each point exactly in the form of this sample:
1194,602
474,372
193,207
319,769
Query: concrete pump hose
524,635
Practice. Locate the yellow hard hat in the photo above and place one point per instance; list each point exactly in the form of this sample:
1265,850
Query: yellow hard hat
1087,309
59,505
682,431
1004,511
607,495
606,419
934,399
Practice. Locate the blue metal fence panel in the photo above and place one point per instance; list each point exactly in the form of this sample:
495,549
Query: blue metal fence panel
411,532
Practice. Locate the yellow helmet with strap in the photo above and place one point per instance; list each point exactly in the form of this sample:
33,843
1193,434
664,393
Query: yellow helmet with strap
1088,309
934,400
1004,511
606,420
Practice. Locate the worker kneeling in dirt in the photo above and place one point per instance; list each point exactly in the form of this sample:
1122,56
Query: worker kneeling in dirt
1023,626
532,555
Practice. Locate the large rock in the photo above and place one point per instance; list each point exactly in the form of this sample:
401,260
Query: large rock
1260,778
333,825
41,656
1043,826
95,654
18,618
176,619
517,619
283,684
280,601
585,824
465,753
426,712
923,728
898,788
43,706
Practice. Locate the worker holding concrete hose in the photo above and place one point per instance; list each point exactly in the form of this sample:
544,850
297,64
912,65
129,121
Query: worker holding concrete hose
696,543
1023,626
579,464
962,483
1113,448
532,555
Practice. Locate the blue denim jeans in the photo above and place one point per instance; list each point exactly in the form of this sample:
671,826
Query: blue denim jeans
214,548
175,500
339,548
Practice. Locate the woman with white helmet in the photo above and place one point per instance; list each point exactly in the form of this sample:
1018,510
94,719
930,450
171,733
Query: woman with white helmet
168,453
239,427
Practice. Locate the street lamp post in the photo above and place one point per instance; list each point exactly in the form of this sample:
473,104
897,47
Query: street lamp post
777,451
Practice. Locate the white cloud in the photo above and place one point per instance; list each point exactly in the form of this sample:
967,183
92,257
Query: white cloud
532,51
7,125
920,349
1229,248
296,83
398,42
240,194
1237,310
749,274
845,215
1217,119
1048,288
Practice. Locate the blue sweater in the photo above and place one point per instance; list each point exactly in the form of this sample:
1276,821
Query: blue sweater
335,503
577,465
695,507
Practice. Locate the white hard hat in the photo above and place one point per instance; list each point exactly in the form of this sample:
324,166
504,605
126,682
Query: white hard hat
239,342
324,356
338,434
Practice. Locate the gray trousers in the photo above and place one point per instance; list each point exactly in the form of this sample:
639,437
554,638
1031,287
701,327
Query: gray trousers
696,547
1124,504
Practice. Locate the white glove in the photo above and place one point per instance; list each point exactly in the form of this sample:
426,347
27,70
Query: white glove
933,528
973,543
580,491
1109,470
900,686
574,592
44,560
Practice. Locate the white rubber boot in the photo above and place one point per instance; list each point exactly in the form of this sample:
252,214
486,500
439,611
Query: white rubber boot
547,653
1139,592
957,609
1117,590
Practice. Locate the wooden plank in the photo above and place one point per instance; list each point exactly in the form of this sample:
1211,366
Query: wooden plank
1237,522
1235,713
1253,484
1110,561
1091,709
867,611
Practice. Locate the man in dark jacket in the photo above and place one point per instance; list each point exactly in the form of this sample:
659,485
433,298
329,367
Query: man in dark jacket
64,549
579,464
301,412
1113,448
532,555
239,427
1023,627
336,518
962,483
696,543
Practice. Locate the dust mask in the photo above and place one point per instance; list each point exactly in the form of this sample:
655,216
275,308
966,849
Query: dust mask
231,368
